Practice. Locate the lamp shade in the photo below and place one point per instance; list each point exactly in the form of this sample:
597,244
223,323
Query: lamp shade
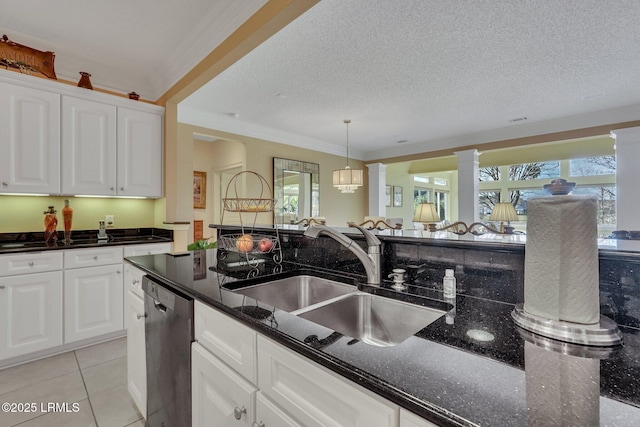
347,180
426,212
503,212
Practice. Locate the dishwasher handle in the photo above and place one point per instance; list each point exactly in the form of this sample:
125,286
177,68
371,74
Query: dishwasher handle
159,306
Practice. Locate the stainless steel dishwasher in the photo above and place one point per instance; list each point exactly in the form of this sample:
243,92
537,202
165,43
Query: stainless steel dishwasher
168,337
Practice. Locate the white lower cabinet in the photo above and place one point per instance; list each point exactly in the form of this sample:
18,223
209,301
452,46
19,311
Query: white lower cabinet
268,414
316,396
290,390
136,360
220,396
409,419
93,301
30,313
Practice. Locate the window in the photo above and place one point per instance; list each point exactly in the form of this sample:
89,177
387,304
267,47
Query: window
537,170
440,181
420,195
606,196
441,203
490,174
592,166
519,198
488,199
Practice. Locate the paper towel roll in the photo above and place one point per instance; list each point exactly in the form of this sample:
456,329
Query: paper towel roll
561,279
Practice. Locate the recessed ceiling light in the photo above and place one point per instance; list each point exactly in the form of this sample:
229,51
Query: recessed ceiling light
593,95
518,119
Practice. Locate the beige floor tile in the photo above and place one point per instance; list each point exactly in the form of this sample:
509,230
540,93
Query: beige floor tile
139,423
35,372
63,389
83,417
106,376
114,408
101,353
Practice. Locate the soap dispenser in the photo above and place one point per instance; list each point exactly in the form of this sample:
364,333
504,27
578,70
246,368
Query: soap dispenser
449,284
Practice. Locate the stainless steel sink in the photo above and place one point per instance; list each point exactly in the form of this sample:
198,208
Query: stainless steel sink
373,319
296,292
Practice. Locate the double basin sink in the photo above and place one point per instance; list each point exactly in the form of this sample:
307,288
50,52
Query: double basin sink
373,319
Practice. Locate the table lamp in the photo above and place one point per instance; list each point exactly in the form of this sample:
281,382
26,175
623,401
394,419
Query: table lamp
504,212
427,214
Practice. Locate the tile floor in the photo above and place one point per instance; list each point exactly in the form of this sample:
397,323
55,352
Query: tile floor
93,377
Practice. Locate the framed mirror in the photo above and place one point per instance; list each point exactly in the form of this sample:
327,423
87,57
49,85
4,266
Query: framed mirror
296,188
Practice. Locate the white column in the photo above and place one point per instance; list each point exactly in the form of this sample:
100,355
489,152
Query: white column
377,182
468,184
627,178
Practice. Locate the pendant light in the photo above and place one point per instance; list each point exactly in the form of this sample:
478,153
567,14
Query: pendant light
347,180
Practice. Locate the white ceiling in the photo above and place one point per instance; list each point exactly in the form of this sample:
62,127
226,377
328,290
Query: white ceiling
126,45
435,73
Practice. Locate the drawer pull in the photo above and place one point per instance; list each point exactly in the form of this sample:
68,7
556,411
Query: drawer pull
140,316
237,413
5,184
2,286
31,264
260,424
95,257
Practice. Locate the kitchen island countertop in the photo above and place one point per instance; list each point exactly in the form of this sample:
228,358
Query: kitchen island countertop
466,368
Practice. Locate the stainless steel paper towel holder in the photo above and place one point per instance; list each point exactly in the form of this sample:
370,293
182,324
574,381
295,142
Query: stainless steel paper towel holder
604,334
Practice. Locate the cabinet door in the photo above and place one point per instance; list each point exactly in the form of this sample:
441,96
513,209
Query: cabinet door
147,249
93,302
88,147
29,140
316,396
268,414
409,419
231,341
220,397
139,153
136,356
31,313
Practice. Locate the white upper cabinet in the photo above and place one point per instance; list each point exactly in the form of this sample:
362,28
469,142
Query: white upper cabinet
88,147
29,140
139,153
63,140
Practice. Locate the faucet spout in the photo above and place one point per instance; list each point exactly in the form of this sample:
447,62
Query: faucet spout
370,259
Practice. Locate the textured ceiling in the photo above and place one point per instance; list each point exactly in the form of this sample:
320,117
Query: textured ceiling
436,74
141,45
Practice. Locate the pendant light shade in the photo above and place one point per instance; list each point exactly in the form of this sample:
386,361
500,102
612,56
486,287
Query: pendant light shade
347,180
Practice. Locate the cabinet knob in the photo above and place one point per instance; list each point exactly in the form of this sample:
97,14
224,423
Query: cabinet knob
30,263
112,189
135,281
140,316
2,286
121,188
237,413
95,257
5,184
260,424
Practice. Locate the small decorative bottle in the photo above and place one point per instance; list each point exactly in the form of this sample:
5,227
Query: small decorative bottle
67,216
449,284
50,224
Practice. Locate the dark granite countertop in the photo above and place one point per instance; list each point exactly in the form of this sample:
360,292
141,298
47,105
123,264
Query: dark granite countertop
471,367
34,241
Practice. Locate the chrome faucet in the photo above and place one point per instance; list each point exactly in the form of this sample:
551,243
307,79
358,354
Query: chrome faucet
370,259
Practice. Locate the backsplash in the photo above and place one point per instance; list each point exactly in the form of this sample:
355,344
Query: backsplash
492,272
